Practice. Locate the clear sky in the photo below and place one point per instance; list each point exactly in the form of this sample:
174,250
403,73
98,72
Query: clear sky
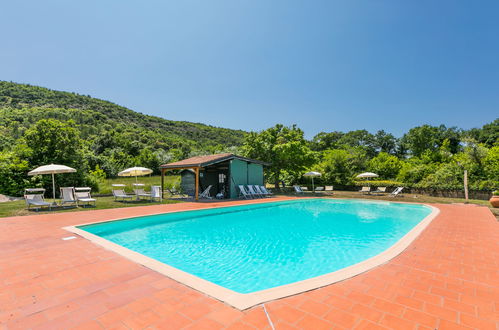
249,64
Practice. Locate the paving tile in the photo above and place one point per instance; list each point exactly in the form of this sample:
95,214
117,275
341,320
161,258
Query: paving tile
446,279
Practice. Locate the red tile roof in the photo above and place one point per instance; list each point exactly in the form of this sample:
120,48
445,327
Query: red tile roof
202,161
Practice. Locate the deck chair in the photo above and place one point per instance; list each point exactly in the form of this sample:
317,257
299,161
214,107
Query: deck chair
329,189
298,190
119,192
319,189
34,197
243,192
380,191
266,191
252,191
82,195
68,196
140,192
206,193
365,190
396,192
156,193
259,191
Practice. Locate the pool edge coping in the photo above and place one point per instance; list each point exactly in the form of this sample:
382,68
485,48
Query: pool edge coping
244,301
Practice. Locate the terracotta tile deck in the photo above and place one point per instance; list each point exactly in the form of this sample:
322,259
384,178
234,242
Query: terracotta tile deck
447,279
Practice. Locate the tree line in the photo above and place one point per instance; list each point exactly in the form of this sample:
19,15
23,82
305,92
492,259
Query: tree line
424,157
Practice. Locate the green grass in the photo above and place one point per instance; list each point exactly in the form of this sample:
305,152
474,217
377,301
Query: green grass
18,208
149,181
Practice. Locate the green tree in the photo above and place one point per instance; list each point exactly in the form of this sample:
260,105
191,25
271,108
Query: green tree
285,148
385,165
385,142
339,166
54,142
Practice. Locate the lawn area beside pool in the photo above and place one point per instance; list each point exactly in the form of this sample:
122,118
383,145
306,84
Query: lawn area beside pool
446,279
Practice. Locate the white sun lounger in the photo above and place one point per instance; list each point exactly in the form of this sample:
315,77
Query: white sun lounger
119,192
243,192
34,197
68,196
82,195
365,190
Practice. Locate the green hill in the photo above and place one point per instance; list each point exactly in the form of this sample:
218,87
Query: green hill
22,105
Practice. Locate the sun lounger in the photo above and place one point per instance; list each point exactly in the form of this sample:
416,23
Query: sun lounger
156,193
329,189
68,196
140,192
380,191
244,193
396,192
82,195
319,189
34,197
298,190
252,191
206,193
119,192
365,190
266,191
259,191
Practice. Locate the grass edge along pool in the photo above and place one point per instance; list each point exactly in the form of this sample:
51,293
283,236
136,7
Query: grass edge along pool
246,300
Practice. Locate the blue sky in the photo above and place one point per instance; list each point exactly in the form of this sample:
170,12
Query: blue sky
249,64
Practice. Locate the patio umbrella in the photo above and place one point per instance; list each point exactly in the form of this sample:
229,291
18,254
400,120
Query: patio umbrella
135,171
52,169
367,175
312,175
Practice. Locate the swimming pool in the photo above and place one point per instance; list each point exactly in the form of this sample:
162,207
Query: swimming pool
255,247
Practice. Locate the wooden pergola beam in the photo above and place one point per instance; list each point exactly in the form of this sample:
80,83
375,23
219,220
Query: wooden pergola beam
196,172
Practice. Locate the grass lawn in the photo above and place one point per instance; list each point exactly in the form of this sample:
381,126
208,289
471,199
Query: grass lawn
147,180
16,208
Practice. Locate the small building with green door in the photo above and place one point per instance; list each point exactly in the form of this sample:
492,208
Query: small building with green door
223,172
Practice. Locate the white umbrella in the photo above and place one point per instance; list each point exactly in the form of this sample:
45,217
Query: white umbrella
312,174
52,169
367,175
135,171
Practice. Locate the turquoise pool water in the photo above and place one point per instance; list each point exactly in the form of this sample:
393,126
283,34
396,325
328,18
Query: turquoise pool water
254,247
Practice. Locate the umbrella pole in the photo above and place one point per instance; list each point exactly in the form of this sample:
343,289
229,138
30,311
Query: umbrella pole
313,190
53,187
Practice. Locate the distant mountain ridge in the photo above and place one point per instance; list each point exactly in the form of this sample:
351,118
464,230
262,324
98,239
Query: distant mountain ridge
21,105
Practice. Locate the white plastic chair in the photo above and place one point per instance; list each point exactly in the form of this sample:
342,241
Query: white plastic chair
396,192
156,193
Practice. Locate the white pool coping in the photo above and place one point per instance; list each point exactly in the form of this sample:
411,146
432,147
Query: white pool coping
246,300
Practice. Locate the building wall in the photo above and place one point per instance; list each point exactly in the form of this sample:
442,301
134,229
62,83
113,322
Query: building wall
244,173
238,175
255,174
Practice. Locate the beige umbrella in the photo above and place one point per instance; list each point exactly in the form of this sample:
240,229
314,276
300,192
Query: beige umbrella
52,169
135,171
312,174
